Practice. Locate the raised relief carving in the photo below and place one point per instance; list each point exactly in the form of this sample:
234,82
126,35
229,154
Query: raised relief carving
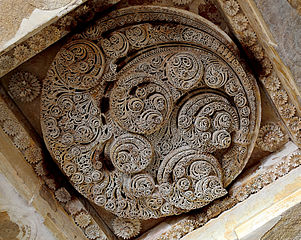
281,92
24,86
34,155
271,137
126,228
149,112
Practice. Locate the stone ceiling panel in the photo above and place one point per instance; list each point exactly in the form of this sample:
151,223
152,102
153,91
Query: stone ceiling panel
150,114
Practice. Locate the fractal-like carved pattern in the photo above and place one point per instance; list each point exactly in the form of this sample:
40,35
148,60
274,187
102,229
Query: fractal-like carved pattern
149,112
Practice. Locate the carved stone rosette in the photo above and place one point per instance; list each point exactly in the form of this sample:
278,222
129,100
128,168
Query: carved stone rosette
149,112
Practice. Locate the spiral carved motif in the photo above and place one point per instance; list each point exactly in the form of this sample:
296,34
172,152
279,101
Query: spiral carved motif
140,106
131,153
206,121
138,36
116,45
81,64
152,114
216,74
184,71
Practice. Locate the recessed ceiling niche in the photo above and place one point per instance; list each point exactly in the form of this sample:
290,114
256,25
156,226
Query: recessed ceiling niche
149,112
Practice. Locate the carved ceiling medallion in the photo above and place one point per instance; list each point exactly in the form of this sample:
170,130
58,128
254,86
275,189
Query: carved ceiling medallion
149,112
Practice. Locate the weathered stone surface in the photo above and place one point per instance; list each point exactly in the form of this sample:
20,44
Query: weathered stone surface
8,229
18,218
284,23
246,24
296,4
26,31
288,227
168,128
18,23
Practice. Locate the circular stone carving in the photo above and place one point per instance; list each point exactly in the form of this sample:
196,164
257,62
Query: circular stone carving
80,64
140,105
131,153
183,70
126,228
160,122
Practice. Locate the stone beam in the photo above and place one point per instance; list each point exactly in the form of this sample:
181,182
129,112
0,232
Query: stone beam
25,31
254,35
26,166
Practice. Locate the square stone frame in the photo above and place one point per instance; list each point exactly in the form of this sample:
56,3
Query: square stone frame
255,40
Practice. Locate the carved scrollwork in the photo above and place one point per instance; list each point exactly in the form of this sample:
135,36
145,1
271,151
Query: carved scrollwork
116,45
139,105
197,178
165,120
183,70
206,122
131,153
140,186
216,74
81,64
138,36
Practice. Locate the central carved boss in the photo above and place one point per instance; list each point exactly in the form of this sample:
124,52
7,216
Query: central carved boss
149,112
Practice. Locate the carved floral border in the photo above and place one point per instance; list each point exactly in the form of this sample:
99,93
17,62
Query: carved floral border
34,154
237,194
50,34
280,93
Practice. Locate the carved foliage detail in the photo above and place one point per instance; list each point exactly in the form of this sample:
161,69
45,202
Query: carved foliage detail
24,86
80,64
126,228
152,131
282,95
271,137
